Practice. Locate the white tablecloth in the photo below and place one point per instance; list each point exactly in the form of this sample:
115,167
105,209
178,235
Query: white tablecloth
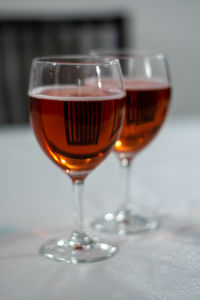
35,198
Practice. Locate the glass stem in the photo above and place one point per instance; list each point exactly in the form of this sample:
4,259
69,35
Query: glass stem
79,239
78,205
126,176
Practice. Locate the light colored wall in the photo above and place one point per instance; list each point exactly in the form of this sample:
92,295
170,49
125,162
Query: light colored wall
170,26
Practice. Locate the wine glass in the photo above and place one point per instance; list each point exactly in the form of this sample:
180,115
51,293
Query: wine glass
76,126
148,89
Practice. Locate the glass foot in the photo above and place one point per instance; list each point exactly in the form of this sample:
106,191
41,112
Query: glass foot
124,222
78,249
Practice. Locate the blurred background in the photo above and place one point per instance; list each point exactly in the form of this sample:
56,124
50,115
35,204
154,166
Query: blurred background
31,28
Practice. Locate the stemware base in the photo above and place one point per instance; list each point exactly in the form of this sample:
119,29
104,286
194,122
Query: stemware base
124,222
72,252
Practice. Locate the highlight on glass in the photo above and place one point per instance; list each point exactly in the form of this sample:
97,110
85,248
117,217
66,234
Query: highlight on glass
76,125
148,89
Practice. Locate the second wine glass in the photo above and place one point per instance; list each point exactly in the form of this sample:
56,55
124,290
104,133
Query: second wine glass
147,85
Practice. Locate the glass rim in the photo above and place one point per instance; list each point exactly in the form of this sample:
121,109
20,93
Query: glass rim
123,53
76,59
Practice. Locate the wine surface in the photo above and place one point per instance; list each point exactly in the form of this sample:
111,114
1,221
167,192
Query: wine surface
146,107
76,127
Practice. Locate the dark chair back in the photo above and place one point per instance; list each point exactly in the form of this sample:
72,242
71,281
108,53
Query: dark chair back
22,40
